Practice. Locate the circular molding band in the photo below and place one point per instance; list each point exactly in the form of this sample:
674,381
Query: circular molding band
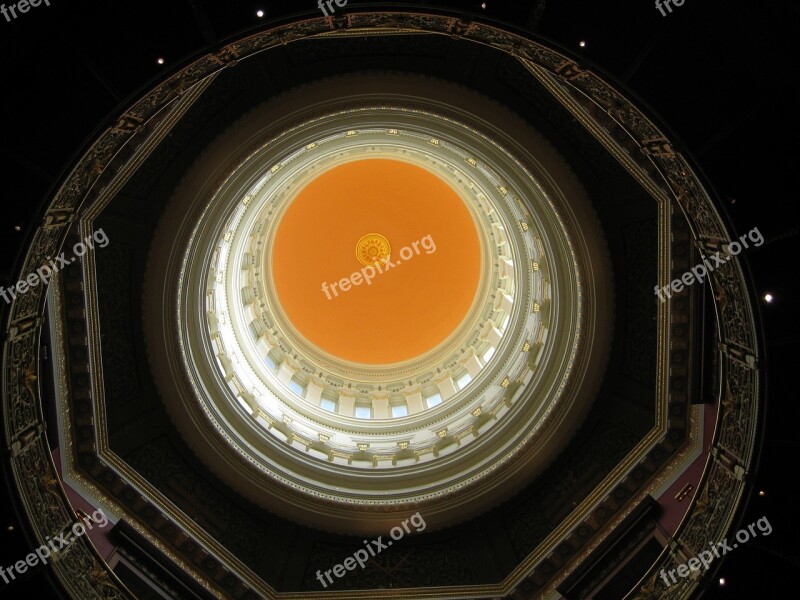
663,171
250,376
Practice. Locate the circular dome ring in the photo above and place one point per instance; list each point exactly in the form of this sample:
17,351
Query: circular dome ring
474,438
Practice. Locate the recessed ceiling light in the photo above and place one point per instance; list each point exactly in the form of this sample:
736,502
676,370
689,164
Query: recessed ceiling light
762,493
582,44
483,5
160,61
768,298
259,13
17,228
722,581
10,528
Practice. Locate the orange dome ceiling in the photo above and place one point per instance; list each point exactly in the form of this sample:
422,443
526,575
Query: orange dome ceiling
401,309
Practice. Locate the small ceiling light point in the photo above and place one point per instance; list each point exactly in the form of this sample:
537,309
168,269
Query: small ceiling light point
160,61
483,5
722,581
10,528
582,43
259,13
762,493
17,228
768,298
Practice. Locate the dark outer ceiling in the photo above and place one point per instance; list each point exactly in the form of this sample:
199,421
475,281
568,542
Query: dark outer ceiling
721,74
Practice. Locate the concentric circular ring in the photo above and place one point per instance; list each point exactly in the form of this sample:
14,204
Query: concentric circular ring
368,439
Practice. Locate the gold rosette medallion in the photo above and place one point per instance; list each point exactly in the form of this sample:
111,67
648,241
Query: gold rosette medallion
373,248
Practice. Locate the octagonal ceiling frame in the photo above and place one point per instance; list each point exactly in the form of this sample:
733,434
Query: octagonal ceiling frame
642,149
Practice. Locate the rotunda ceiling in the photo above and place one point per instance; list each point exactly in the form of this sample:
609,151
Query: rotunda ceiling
449,363
243,418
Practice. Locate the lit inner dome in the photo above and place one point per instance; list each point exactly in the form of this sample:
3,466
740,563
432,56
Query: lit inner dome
415,300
